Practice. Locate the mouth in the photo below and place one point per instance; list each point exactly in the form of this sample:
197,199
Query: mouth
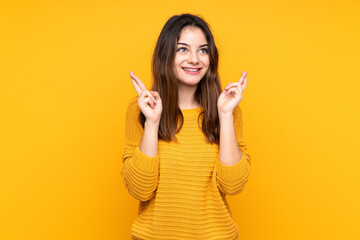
191,71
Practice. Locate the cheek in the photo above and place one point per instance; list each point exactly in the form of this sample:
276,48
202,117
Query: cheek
176,68
207,63
206,60
177,62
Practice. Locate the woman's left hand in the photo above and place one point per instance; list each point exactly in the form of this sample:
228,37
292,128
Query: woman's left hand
232,95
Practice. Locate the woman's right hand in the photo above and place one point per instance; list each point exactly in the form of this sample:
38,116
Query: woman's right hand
149,101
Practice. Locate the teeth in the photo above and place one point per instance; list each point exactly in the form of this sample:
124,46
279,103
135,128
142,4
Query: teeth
192,70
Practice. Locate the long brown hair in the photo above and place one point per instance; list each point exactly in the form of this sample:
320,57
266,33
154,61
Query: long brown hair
165,82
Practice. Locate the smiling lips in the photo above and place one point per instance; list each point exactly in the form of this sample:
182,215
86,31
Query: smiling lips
192,71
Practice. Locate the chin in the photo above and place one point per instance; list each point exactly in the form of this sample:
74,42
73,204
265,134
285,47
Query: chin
190,82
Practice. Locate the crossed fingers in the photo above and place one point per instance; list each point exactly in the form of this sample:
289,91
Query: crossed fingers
240,85
142,91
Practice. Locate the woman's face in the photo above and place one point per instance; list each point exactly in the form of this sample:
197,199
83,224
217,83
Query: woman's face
191,58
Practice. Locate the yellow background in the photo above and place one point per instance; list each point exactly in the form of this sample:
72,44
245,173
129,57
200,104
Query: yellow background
65,86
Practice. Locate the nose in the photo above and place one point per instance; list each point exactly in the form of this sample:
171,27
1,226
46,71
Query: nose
193,58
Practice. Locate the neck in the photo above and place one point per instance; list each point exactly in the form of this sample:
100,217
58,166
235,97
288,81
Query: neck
186,97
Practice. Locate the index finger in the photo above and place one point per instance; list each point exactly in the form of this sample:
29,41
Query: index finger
136,86
243,75
138,81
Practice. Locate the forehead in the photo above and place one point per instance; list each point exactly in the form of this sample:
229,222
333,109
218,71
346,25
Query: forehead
191,34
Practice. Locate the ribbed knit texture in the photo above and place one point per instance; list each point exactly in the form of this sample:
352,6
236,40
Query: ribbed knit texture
182,191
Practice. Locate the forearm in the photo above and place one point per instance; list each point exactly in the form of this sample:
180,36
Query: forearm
230,152
141,170
140,173
149,140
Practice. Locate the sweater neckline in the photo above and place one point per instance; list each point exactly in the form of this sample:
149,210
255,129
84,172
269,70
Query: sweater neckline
192,111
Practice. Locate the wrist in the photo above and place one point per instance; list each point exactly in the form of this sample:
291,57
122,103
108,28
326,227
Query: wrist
152,124
226,116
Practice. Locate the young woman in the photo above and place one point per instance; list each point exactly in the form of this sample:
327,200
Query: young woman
184,145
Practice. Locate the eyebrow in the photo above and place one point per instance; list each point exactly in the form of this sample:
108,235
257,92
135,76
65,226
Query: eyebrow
202,45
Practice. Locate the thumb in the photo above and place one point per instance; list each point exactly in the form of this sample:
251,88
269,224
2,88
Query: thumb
156,95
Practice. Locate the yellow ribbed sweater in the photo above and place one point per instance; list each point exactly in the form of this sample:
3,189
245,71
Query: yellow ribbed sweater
182,191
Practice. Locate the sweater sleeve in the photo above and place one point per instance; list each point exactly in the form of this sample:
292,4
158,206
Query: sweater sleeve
140,172
232,179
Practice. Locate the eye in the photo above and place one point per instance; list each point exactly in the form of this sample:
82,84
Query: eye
203,50
182,49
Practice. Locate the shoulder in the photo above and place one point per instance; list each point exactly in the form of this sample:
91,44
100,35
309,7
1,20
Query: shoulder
133,110
133,107
133,103
133,127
